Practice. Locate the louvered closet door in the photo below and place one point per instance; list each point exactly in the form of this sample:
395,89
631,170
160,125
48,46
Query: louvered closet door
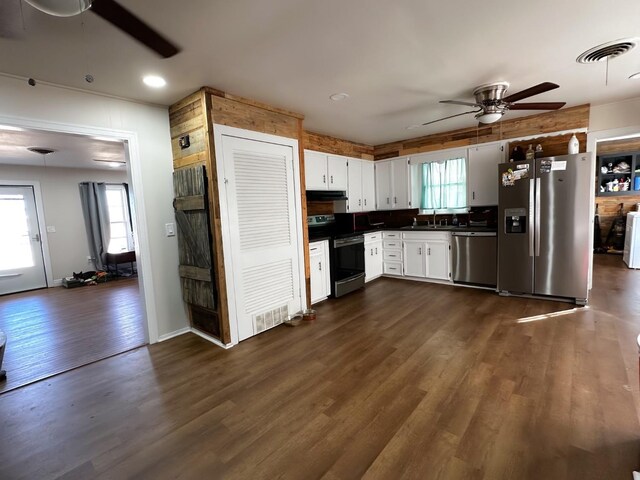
264,240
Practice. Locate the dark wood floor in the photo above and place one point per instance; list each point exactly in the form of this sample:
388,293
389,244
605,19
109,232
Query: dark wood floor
56,329
400,380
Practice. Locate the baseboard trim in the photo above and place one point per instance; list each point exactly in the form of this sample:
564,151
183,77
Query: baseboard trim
211,339
56,283
173,334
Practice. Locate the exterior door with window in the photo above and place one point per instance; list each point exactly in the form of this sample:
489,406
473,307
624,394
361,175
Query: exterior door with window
21,258
121,238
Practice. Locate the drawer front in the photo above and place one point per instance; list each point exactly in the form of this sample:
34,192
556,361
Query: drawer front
392,256
372,237
396,235
392,244
392,268
320,247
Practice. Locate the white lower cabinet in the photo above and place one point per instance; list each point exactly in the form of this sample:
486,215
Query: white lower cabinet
415,261
438,260
372,256
392,253
427,255
319,264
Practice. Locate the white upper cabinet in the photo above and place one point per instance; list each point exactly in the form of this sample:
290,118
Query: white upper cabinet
337,173
368,186
315,170
325,172
482,178
354,190
383,185
400,185
392,184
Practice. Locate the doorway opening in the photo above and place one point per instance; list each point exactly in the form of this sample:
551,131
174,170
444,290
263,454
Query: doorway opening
69,287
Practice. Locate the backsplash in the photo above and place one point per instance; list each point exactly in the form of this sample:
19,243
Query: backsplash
402,218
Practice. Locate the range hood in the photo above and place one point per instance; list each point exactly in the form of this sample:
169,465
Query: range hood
325,195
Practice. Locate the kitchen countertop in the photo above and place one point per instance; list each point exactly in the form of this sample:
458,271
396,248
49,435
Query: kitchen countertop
448,228
410,228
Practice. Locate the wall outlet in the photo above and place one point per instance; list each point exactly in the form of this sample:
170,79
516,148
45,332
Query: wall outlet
51,229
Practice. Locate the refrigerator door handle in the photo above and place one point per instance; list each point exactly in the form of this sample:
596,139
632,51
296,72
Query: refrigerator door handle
537,226
531,207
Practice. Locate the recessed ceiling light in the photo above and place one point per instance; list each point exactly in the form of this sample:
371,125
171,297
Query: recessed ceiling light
154,81
336,97
635,76
11,128
115,164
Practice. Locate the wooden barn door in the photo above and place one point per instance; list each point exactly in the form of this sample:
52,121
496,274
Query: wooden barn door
191,207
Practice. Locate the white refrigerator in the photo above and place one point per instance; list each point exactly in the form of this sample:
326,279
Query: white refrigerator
631,254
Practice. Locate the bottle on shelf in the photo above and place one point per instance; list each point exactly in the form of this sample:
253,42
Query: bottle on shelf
539,153
530,153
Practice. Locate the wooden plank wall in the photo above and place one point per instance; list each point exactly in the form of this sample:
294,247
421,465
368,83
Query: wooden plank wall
549,122
189,117
336,146
608,206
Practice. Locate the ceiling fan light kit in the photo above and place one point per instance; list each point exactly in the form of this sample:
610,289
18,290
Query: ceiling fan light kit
116,15
491,103
61,8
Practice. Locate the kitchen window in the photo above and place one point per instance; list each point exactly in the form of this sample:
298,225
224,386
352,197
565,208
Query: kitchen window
121,232
444,185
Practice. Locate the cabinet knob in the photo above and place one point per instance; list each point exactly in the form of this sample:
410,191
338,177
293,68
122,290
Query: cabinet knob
331,178
320,266
359,202
419,250
395,200
324,179
429,251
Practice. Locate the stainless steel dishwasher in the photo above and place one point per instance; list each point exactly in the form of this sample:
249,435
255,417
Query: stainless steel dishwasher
474,258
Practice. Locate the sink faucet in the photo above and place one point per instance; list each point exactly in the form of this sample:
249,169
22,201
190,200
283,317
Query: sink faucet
434,217
415,221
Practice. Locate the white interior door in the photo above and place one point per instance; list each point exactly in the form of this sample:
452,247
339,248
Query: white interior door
260,195
21,258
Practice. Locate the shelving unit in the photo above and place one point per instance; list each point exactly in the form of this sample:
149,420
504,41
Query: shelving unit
631,158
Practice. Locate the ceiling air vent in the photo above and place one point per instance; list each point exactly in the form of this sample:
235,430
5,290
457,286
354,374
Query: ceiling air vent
40,150
608,50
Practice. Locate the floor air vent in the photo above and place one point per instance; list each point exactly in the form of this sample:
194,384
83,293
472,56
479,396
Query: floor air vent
270,318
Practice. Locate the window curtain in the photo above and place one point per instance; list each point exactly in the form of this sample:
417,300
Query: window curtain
444,184
93,197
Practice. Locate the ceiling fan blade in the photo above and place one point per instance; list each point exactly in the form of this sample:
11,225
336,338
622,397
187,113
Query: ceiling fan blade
456,102
452,116
537,106
530,92
126,21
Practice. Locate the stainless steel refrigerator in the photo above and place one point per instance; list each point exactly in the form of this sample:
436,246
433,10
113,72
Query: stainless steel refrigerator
545,226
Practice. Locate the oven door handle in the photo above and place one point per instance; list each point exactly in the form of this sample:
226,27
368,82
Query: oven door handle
345,242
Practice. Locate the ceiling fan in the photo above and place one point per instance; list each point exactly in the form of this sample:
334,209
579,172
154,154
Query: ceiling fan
491,103
112,12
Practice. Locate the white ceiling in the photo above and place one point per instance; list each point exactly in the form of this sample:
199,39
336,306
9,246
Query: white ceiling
71,151
395,59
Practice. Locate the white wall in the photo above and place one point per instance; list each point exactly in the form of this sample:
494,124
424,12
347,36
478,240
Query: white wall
150,126
68,246
616,115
